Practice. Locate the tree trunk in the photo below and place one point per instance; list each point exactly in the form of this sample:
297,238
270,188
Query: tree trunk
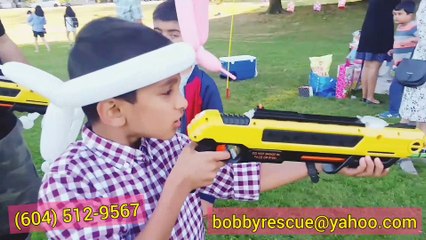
275,7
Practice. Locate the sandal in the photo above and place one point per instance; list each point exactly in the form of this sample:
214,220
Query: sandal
371,102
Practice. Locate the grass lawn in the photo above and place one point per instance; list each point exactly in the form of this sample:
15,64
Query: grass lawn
282,45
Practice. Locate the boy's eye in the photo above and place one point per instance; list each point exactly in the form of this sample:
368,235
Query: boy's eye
168,92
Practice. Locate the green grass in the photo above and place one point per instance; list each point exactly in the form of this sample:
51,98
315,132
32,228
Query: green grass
282,45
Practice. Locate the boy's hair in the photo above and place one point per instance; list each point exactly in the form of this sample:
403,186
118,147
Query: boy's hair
166,11
108,41
408,6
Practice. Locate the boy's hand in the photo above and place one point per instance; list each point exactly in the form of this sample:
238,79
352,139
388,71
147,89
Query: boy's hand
367,168
390,52
198,169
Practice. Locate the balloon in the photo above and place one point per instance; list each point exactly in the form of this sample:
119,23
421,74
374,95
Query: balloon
28,121
64,116
106,83
194,27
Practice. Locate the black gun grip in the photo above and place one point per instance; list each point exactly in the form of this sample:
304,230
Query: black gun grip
206,145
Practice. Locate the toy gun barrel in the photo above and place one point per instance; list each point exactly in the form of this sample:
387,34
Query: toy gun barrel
277,136
17,98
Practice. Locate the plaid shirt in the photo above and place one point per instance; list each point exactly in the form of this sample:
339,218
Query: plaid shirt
99,168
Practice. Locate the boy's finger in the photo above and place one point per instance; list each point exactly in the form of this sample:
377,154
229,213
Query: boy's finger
192,145
378,170
369,169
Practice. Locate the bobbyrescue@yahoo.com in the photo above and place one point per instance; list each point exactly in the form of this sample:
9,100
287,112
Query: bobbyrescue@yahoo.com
336,221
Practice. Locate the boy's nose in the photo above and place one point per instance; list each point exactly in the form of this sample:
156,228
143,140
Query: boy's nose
181,102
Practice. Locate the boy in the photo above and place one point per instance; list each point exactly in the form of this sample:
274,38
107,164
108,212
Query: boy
130,146
199,89
405,41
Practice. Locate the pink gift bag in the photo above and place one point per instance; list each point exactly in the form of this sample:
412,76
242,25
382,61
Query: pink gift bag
345,73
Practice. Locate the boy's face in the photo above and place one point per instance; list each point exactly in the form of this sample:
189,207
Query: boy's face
401,17
169,29
157,111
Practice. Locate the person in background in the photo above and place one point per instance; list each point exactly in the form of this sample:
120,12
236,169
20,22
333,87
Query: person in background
69,17
405,41
199,89
38,22
375,42
19,181
413,104
130,10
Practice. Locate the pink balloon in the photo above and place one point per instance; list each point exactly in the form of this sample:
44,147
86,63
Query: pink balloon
194,27
202,19
187,23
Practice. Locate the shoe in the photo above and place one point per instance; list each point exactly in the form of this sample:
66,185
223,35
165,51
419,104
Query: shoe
388,115
371,102
408,167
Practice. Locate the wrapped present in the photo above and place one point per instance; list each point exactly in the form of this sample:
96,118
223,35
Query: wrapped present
306,91
321,65
345,77
322,86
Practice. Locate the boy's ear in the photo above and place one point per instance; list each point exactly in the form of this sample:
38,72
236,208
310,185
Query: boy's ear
110,113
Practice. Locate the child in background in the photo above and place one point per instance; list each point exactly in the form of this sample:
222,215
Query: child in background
69,22
130,145
405,41
199,89
38,22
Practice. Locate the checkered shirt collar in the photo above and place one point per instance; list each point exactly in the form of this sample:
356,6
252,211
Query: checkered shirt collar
114,153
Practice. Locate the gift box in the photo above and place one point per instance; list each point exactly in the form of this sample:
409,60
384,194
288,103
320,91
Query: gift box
243,67
306,91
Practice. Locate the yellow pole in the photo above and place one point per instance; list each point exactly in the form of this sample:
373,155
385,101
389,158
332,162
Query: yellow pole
228,90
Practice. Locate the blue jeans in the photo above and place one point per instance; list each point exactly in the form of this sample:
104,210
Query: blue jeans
395,96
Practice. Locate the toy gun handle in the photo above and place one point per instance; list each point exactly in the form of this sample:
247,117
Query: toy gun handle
207,145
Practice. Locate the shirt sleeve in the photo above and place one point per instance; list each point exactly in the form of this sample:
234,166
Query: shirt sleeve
210,93
236,181
67,187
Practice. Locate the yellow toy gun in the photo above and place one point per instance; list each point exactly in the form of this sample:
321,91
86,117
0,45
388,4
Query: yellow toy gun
18,98
277,136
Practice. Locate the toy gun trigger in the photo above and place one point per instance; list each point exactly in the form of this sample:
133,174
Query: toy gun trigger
211,145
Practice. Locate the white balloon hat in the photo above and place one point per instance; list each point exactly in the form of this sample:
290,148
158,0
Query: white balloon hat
64,117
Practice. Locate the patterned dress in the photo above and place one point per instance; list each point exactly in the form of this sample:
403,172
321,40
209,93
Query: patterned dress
413,105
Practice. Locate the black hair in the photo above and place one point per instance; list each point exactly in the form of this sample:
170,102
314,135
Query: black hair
408,6
29,12
165,11
108,41
69,12
39,11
